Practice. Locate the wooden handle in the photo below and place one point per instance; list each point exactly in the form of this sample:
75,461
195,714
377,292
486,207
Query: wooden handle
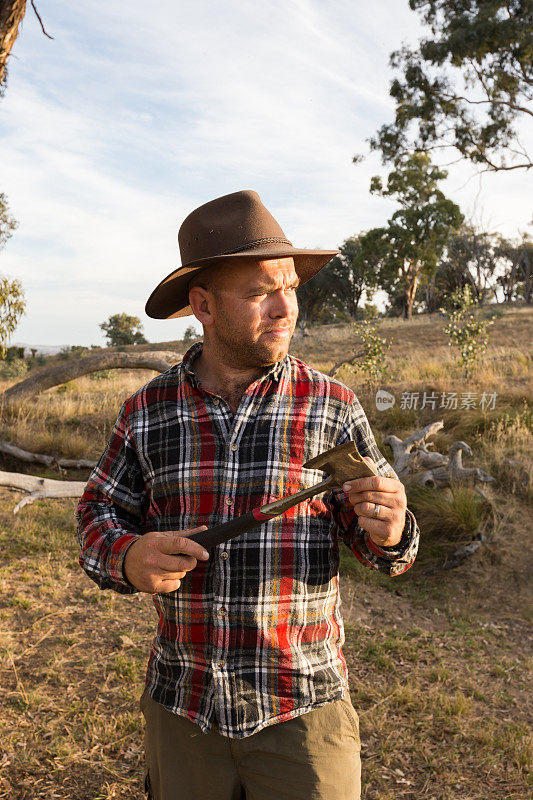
227,530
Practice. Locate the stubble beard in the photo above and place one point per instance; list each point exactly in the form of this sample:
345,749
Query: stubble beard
242,352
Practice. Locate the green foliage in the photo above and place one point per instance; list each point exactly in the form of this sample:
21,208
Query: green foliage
465,85
316,302
123,329
69,387
7,222
14,368
375,349
14,353
448,517
369,312
348,275
72,351
466,330
190,335
12,307
12,303
516,279
471,257
416,234
103,375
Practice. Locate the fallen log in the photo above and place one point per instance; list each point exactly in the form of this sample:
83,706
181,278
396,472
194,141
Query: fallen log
40,488
414,463
454,472
461,554
158,361
404,460
464,552
40,458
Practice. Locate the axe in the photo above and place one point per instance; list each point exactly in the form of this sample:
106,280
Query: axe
342,463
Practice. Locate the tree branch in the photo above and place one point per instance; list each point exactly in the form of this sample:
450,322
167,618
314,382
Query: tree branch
40,20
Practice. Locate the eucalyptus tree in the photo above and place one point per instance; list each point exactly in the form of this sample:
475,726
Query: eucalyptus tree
409,247
466,85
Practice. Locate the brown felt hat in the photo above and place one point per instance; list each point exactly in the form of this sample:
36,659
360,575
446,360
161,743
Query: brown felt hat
237,226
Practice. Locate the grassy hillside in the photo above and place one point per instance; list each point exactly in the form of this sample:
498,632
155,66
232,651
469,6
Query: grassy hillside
440,660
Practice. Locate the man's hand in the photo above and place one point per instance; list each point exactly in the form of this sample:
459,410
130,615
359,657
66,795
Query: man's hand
157,562
380,504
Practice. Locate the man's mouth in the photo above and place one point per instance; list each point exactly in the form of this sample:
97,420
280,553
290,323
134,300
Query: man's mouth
281,332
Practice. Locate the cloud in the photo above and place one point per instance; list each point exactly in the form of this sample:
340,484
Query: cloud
124,123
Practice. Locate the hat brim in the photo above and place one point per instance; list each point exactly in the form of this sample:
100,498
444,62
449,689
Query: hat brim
170,298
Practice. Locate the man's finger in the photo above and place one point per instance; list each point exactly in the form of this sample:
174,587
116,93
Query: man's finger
374,483
172,563
380,531
369,510
168,585
381,498
177,542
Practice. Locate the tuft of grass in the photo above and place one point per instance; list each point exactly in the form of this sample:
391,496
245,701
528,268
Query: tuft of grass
448,516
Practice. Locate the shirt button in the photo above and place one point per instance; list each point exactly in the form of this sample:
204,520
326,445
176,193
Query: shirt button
221,664
229,501
224,555
222,612
216,401
234,447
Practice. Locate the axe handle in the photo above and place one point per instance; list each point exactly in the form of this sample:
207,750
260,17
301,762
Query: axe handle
227,530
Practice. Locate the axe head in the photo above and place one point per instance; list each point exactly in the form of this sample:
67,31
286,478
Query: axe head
343,463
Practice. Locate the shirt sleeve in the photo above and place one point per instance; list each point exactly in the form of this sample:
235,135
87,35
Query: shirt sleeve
111,510
389,560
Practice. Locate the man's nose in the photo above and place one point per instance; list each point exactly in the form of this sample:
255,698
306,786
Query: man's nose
283,303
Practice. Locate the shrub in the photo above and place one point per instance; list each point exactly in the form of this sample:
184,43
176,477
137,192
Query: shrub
374,351
72,351
69,386
16,368
466,330
103,375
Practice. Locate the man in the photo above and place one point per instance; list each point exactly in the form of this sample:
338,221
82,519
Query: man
246,692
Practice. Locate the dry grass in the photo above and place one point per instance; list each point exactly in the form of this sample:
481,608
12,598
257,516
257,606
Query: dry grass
72,663
441,681
72,420
440,663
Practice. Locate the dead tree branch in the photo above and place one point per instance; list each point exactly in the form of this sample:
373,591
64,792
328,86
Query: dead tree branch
40,20
40,458
75,368
333,371
39,488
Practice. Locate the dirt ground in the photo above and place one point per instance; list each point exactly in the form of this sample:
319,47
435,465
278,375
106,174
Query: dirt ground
439,672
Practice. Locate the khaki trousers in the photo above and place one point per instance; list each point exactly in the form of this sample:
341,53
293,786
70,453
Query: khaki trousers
312,757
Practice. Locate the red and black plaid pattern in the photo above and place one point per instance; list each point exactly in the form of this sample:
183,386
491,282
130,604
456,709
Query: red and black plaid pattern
253,636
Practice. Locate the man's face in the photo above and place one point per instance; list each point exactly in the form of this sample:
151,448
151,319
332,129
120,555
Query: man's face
255,311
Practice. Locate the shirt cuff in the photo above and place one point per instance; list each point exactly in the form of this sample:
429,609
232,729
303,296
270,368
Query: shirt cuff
116,557
398,550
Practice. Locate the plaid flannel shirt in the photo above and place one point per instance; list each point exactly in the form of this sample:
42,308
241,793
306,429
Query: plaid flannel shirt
254,635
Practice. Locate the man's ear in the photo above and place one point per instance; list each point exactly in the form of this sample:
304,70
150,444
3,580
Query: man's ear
201,301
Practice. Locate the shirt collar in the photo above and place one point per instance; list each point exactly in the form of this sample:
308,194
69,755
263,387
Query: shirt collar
274,372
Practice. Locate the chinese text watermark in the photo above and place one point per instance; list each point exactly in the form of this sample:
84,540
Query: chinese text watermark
447,401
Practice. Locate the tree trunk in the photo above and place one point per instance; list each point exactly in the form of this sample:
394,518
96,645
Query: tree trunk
11,15
527,275
409,297
68,370
411,276
39,488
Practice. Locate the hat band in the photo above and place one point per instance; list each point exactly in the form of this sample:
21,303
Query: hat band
258,243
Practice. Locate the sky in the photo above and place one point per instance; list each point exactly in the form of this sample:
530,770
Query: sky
112,132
